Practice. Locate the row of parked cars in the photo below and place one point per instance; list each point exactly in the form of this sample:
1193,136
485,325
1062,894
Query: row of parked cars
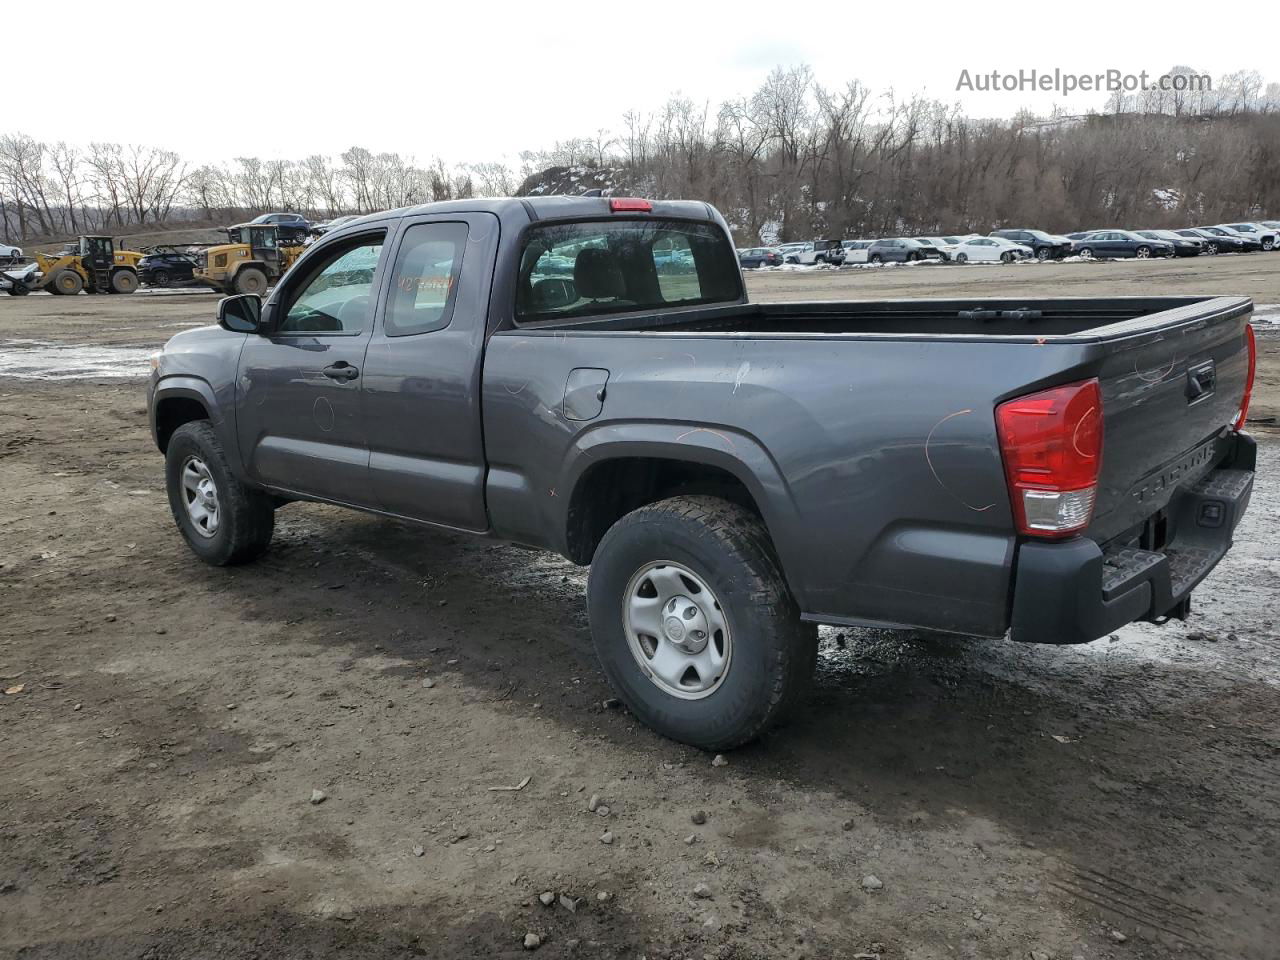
1009,245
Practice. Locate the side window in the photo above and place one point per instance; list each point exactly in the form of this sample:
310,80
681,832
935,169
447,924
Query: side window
425,280
337,298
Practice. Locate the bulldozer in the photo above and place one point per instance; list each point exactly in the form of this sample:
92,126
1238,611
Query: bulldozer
92,264
252,259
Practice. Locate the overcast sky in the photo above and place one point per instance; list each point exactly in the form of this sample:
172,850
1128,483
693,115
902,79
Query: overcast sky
482,80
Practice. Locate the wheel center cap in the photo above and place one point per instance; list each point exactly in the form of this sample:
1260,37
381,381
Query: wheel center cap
685,624
675,630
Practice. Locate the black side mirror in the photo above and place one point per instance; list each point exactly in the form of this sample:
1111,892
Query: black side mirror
241,313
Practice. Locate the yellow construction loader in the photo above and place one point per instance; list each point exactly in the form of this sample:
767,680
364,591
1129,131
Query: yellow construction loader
251,260
92,264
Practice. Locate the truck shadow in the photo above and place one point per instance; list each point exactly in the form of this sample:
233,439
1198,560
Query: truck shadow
1116,763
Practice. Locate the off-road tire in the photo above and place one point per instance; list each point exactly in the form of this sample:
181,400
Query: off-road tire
773,652
67,282
124,281
246,515
250,280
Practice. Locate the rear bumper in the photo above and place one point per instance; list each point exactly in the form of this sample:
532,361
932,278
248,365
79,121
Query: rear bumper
1077,591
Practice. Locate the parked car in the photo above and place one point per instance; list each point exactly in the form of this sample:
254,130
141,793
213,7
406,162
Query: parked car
1265,236
1116,244
900,250
1001,472
855,251
163,268
325,226
813,252
754,257
1182,246
991,250
1214,242
934,244
290,227
1249,244
1271,225
8,252
1043,246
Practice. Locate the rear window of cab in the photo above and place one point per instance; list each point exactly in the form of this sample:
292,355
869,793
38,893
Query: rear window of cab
591,268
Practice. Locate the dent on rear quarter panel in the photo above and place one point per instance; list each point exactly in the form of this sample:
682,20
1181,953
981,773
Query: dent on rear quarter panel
890,502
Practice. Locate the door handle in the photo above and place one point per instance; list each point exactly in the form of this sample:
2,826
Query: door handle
341,371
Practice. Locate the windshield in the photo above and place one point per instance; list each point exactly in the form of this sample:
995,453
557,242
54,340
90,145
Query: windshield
623,266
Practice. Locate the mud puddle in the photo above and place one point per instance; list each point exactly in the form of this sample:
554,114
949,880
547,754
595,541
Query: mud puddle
43,360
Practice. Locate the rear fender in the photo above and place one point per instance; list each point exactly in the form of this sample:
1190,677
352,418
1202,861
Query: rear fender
733,451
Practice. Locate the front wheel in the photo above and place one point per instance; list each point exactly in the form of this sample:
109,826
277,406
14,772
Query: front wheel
1142,253
250,280
1268,244
124,281
223,521
1044,253
694,624
160,278
1212,249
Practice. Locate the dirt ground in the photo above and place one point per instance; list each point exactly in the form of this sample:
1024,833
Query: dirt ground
169,723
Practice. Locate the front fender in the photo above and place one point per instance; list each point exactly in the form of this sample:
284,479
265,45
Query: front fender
195,388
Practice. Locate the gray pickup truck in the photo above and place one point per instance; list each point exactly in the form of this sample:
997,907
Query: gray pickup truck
734,473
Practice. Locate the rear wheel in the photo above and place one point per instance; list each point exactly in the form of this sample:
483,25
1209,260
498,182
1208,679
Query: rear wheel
876,258
1006,257
67,283
124,281
250,280
694,624
1086,254
962,258
223,521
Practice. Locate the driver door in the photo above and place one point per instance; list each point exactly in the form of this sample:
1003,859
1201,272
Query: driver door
298,395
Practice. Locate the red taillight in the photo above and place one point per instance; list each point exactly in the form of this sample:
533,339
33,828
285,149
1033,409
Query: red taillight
630,204
1252,346
1052,446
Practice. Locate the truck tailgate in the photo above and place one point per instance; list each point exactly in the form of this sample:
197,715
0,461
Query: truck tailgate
1170,393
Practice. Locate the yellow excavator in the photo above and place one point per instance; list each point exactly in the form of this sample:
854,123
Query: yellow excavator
252,259
91,263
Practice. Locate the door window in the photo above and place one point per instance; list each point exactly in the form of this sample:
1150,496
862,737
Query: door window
424,283
336,295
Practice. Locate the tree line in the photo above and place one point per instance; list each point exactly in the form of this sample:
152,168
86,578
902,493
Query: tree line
792,159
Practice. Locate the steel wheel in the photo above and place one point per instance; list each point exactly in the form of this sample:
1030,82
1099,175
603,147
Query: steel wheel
676,630
200,494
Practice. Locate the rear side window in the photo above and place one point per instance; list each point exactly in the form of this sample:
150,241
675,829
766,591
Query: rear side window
623,266
424,283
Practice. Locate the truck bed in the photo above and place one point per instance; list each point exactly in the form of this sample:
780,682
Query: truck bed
1028,318
869,428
